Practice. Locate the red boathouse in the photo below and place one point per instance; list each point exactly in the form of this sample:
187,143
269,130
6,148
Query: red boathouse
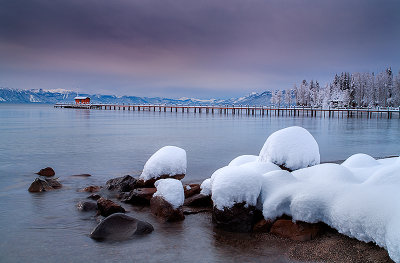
82,100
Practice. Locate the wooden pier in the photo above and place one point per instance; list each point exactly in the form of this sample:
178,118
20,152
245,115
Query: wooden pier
297,111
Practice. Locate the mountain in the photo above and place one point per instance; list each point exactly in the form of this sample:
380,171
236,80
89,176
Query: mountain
67,96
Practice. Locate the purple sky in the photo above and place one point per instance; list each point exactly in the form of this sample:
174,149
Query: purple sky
209,48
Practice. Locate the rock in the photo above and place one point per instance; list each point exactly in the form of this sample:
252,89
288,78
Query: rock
48,171
91,189
81,175
161,208
196,210
94,196
238,218
87,206
299,231
120,227
198,200
139,196
150,182
191,189
39,185
123,184
54,183
107,207
263,226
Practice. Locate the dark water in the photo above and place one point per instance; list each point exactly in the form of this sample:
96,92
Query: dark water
47,227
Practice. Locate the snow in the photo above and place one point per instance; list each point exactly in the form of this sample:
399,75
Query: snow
169,160
260,168
293,147
1,99
360,160
242,159
235,184
33,99
171,190
206,187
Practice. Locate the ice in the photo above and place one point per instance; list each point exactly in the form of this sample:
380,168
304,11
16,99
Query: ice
242,159
171,190
169,160
206,187
294,147
235,184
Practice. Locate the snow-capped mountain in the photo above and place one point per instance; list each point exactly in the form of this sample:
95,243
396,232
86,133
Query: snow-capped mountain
67,96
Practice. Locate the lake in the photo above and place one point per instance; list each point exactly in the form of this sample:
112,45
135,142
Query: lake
48,227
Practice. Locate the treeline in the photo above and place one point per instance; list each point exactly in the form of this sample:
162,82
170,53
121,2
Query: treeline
346,90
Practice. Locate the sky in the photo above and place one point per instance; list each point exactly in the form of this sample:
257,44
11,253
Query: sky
185,48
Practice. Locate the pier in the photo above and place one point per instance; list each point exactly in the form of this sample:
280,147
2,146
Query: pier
295,111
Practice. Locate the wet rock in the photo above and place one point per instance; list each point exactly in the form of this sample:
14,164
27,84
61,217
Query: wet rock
139,196
48,171
54,183
81,175
163,209
196,210
107,207
94,196
123,184
299,231
150,182
198,200
120,227
238,218
91,189
263,226
87,206
39,185
191,189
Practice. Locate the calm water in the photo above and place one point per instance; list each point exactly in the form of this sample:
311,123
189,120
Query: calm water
106,144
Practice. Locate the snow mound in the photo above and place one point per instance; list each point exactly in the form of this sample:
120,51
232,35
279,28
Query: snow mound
261,168
235,184
360,160
387,175
294,147
326,173
171,190
206,187
243,159
169,160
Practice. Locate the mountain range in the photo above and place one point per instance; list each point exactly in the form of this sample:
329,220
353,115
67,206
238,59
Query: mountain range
8,95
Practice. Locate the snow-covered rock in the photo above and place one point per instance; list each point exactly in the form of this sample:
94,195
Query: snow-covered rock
171,190
292,147
206,187
360,160
325,173
242,159
169,161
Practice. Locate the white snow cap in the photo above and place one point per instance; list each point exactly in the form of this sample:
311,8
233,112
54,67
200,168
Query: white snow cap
360,160
242,159
235,184
206,187
169,160
293,147
171,190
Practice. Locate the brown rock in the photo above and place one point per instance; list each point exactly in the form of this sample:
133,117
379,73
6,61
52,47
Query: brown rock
191,189
238,218
139,196
299,231
54,183
81,175
123,184
198,200
48,171
150,182
107,207
94,196
39,185
161,208
263,226
86,206
91,189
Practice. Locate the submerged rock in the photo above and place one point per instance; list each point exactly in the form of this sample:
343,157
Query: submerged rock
87,206
123,184
94,196
139,196
191,189
91,189
81,175
163,209
120,227
107,207
198,200
299,231
54,183
40,185
237,218
48,171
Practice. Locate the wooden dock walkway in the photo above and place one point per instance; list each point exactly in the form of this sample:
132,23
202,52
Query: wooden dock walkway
388,112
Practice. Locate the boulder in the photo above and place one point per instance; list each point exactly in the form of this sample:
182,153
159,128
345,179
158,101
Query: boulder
120,227
191,189
299,231
198,200
263,226
39,185
54,183
107,207
94,196
48,171
123,184
87,206
163,209
91,189
139,196
150,182
237,218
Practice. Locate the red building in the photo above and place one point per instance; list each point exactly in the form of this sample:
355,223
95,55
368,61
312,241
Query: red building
82,100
